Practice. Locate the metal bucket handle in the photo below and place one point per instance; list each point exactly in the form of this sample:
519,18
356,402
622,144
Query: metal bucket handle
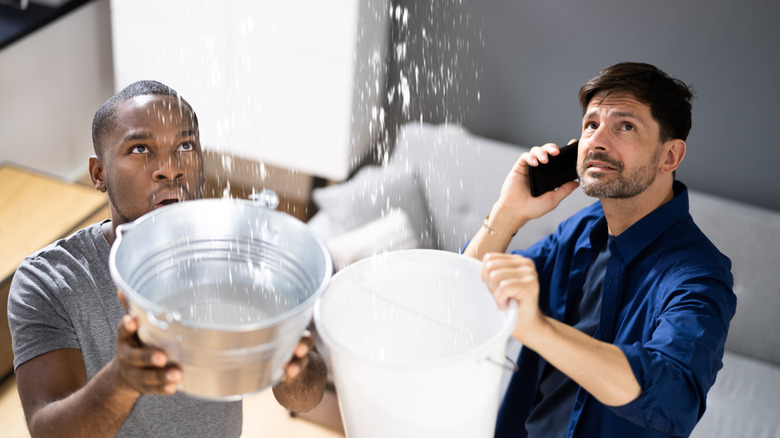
123,228
267,198
513,368
163,320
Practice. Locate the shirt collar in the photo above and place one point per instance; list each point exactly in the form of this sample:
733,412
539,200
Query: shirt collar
640,235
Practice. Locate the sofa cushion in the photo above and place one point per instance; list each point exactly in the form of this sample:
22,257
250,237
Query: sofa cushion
391,232
743,402
749,237
371,194
461,176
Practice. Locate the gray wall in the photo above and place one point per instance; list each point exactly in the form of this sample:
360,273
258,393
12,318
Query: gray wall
510,70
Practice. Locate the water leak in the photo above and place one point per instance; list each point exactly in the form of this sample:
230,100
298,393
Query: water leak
426,73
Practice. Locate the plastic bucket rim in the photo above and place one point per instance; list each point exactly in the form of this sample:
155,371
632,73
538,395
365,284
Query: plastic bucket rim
156,309
509,314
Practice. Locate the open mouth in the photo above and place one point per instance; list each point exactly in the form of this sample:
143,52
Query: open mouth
168,195
165,202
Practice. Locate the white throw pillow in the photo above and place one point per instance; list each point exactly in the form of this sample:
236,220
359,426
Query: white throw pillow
389,233
371,194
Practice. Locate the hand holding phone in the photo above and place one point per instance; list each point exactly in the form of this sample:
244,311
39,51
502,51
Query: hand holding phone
558,170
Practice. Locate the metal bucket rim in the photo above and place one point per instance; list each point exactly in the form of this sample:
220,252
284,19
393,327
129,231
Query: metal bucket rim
156,309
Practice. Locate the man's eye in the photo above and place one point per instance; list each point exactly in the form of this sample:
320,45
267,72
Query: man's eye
629,127
591,125
139,149
186,147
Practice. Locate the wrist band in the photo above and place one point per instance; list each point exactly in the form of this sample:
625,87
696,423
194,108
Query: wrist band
489,230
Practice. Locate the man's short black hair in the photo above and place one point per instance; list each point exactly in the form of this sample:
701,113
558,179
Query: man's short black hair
104,118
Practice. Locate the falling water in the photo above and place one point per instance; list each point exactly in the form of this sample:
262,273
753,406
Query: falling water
424,71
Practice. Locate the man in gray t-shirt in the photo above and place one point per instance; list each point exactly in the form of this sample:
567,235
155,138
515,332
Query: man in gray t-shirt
64,298
80,368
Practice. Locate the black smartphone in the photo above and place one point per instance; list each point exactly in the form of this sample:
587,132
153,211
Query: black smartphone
558,170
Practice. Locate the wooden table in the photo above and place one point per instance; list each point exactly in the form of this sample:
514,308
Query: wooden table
36,210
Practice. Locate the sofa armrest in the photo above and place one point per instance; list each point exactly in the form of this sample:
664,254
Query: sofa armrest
743,402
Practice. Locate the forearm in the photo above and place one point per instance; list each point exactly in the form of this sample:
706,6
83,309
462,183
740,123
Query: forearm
599,367
98,409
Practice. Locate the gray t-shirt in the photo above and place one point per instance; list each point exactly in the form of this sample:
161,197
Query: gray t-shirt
63,297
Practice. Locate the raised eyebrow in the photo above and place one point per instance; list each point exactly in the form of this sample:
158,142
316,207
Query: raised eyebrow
133,136
617,114
187,133
592,114
625,115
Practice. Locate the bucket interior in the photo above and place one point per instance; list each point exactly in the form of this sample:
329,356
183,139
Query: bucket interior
233,266
213,282
411,307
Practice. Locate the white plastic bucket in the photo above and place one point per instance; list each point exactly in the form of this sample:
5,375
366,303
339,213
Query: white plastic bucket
416,344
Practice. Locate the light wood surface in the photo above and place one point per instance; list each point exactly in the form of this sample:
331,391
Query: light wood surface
36,210
263,417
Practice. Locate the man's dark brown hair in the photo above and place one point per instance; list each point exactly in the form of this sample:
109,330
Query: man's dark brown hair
669,98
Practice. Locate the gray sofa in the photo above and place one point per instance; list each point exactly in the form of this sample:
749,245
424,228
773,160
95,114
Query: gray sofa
441,183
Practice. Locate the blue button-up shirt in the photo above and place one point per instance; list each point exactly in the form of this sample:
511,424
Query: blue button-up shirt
667,303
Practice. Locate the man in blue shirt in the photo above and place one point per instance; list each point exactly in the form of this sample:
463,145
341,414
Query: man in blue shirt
624,309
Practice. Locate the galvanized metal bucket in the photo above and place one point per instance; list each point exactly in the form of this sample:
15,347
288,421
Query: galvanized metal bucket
226,286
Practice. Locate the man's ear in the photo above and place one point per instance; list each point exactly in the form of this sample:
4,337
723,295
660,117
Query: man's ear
673,154
97,173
